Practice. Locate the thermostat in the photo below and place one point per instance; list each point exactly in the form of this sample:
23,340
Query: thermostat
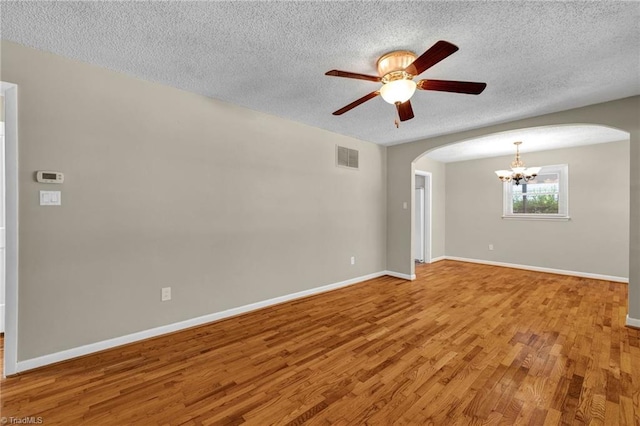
49,177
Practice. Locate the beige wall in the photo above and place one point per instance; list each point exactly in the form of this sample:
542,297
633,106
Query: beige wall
225,205
437,170
621,114
595,240
165,188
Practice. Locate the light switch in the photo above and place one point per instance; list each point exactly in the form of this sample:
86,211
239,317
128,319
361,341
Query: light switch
50,198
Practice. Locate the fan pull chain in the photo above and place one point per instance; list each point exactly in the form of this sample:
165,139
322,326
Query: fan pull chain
397,123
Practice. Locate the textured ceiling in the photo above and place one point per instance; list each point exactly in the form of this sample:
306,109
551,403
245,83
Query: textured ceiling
536,57
533,139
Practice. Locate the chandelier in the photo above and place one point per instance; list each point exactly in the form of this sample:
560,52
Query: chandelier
518,171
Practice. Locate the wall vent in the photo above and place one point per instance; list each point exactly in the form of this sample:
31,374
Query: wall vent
346,157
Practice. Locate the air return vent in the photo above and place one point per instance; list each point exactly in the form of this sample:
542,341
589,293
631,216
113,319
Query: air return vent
346,157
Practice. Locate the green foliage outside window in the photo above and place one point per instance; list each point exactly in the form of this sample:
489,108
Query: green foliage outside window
544,197
537,204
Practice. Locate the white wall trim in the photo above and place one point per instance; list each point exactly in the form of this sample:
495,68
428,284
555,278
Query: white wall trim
44,360
633,322
541,269
400,275
41,361
10,92
438,259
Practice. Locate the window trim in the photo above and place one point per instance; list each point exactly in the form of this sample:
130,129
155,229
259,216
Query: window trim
563,197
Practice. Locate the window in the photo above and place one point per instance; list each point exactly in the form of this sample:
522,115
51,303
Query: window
545,197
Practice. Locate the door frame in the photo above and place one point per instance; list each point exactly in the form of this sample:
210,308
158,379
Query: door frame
419,210
428,212
10,92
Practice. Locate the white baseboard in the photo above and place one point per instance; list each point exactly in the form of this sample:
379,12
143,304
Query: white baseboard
541,269
2,318
633,322
41,361
438,259
400,275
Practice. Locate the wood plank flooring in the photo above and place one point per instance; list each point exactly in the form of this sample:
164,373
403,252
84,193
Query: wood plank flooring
463,344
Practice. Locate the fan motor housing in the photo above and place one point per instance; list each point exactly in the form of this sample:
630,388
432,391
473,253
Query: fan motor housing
395,61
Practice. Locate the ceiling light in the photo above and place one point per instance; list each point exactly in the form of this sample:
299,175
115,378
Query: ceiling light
518,171
398,91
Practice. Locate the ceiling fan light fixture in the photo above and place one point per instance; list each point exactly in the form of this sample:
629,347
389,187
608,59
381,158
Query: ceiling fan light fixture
396,71
398,91
397,60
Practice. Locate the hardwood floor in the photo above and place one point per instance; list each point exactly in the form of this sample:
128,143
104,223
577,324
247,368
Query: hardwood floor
463,344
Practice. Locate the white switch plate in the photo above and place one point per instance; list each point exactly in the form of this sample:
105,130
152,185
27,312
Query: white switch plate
353,260
166,294
490,246
404,205
50,198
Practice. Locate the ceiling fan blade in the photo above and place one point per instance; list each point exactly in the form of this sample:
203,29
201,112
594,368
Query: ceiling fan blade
435,54
468,87
405,112
357,102
347,74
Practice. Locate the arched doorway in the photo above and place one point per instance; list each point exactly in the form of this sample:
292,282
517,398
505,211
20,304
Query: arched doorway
621,114
592,242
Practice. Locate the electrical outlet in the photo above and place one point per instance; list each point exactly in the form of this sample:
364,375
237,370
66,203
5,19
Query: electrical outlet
353,260
166,294
490,246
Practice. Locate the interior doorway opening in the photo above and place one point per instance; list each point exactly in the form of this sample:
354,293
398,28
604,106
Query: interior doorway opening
422,217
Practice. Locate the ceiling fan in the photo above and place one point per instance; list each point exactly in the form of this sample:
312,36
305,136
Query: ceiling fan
397,70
